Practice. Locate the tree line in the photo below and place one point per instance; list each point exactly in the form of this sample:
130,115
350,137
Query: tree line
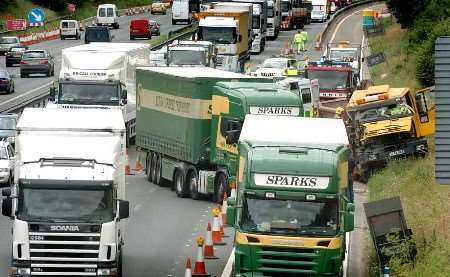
426,20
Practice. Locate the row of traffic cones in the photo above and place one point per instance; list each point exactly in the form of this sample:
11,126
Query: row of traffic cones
214,235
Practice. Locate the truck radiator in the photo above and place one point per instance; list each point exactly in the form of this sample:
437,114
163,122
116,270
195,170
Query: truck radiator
64,254
278,261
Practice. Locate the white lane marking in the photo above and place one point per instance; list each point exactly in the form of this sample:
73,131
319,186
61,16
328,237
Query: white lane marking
340,23
229,266
362,56
26,93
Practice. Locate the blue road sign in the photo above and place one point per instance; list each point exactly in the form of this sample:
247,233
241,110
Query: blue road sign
36,15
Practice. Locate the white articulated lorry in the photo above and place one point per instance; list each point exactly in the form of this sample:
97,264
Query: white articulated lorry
273,18
100,75
66,202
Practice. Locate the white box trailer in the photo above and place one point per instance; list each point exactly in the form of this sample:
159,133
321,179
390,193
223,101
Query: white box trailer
101,75
70,175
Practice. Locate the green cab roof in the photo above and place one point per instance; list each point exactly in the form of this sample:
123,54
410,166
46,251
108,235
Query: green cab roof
273,93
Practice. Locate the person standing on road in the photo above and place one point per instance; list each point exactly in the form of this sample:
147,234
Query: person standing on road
299,42
305,39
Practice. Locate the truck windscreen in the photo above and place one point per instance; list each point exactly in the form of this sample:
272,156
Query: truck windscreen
330,79
7,123
256,21
66,205
222,35
289,217
186,57
285,7
89,94
270,12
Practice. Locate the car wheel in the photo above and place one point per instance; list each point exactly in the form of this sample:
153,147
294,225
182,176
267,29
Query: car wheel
8,64
174,22
11,89
23,75
53,71
62,38
49,72
131,38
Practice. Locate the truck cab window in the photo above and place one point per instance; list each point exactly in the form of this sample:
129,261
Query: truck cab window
230,126
306,95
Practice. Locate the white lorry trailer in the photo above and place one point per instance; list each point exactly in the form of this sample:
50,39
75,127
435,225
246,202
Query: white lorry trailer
273,18
99,75
67,201
259,23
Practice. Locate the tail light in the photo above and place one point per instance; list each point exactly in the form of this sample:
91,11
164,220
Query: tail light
8,54
4,81
44,62
23,62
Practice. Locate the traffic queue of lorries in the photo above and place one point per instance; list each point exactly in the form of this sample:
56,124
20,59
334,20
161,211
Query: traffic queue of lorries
201,131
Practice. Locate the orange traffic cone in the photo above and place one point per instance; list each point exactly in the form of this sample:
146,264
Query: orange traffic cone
127,165
216,235
222,230
233,189
224,209
199,267
139,166
208,251
188,272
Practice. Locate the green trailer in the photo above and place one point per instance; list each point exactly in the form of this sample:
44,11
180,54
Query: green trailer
292,211
188,123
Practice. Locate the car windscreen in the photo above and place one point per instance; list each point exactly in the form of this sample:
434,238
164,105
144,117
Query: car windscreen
34,55
8,40
100,35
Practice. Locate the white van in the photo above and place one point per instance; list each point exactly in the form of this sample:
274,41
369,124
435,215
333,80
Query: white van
108,15
180,12
69,28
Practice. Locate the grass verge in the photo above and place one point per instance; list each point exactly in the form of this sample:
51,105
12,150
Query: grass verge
426,204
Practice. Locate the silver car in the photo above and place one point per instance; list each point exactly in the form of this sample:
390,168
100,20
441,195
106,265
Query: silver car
37,62
6,43
6,163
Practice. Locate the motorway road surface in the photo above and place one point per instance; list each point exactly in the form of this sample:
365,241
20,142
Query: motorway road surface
162,228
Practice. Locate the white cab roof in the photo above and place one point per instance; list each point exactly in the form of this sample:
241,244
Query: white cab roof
71,119
186,72
293,130
218,22
108,47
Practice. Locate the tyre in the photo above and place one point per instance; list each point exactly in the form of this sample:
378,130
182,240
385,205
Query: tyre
179,184
192,182
8,64
49,72
116,26
23,75
10,179
158,167
148,169
220,188
153,168
53,71
131,38
174,22
11,89
120,264
63,38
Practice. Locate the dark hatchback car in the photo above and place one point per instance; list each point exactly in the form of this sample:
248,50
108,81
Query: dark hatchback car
6,82
37,62
97,34
155,28
14,56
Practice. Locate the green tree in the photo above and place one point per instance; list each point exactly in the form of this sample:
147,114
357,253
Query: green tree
406,11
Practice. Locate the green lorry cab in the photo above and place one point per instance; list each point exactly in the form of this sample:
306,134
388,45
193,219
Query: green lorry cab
291,212
188,123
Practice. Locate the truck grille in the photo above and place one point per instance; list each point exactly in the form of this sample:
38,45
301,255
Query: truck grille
219,60
277,261
64,254
269,25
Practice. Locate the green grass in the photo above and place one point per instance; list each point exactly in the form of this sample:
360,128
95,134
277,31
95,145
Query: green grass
426,204
399,68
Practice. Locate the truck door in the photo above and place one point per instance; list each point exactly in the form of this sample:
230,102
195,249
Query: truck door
425,113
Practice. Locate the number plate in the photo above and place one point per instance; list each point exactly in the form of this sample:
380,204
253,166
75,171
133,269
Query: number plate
396,153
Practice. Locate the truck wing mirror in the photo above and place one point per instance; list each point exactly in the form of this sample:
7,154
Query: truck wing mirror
52,94
7,207
124,209
232,136
349,219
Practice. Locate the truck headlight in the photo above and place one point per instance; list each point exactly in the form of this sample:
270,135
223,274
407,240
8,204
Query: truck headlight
4,169
20,271
420,147
107,272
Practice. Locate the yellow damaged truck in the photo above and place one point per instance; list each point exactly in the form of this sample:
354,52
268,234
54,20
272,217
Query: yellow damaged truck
388,123
292,212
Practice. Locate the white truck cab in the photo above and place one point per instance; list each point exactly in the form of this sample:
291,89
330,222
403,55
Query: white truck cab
180,12
108,15
306,89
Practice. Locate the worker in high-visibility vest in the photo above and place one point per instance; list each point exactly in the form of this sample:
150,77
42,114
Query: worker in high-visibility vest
299,42
305,39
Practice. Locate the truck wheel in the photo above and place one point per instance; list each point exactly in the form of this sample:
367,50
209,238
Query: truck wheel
120,264
220,188
192,182
179,184
148,168
158,166
153,168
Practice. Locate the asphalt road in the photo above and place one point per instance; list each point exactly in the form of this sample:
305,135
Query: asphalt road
39,82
